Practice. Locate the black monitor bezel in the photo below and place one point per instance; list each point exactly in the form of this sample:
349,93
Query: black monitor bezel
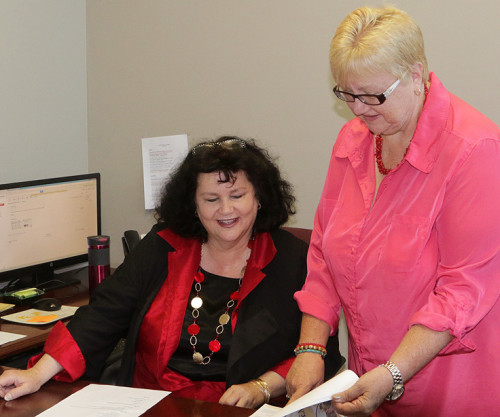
50,266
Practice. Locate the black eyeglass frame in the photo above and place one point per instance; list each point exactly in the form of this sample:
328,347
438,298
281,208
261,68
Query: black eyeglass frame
382,97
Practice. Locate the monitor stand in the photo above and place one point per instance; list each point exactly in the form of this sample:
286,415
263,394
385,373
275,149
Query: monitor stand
49,279
64,277
57,283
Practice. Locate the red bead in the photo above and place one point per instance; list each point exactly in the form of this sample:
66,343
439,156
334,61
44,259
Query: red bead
193,329
235,295
214,345
199,277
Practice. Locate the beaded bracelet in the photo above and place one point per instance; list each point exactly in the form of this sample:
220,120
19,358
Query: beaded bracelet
310,347
264,388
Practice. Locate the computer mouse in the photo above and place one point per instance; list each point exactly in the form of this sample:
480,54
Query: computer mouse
47,304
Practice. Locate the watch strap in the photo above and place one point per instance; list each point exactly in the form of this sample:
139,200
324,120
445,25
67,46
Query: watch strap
397,386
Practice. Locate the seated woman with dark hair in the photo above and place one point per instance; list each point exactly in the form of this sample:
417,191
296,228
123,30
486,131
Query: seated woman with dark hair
205,300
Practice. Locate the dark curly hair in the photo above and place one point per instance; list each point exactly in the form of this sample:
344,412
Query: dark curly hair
226,155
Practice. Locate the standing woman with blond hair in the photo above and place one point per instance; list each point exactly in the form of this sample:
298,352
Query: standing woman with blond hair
407,235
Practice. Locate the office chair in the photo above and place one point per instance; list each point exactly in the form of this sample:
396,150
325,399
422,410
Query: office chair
129,240
301,233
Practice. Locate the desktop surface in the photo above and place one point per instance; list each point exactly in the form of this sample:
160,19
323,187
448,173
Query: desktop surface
75,295
171,406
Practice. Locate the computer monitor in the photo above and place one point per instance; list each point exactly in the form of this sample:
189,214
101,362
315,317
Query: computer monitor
44,226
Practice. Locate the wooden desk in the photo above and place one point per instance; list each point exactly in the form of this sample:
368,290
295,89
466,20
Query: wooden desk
171,406
74,295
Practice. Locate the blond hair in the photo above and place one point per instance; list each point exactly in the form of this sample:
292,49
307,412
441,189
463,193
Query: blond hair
370,41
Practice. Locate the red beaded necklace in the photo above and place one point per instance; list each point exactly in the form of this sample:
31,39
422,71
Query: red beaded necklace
193,329
378,156
378,146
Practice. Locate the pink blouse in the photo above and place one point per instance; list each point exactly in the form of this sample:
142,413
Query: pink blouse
427,252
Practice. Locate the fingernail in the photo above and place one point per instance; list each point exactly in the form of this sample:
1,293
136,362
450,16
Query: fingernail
7,397
336,398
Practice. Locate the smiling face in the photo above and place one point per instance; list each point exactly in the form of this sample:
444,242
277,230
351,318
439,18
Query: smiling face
398,114
227,210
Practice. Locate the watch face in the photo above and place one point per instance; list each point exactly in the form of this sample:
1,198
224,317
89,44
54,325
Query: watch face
396,392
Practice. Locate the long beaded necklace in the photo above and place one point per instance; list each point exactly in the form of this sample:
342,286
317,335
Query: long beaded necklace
378,145
193,329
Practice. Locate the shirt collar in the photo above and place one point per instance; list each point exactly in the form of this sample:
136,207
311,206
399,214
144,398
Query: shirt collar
263,249
263,252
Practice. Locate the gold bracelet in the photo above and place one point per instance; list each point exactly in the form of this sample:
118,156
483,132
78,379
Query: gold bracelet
264,388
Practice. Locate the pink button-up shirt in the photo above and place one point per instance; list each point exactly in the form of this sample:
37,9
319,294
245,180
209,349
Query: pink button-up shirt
427,252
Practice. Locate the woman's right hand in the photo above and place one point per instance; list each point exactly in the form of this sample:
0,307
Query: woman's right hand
15,383
306,373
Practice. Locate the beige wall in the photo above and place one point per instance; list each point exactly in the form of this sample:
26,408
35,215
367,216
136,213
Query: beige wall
43,93
254,68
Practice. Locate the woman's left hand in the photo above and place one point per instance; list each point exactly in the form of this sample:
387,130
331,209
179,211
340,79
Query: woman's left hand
247,395
365,396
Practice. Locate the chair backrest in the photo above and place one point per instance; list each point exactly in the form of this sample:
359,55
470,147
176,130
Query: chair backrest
301,233
129,240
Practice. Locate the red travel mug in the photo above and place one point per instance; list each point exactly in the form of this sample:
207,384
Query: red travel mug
98,260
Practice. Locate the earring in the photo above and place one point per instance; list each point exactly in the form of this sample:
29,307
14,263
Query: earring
259,206
418,92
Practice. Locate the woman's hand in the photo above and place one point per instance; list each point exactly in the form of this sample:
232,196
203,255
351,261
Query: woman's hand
365,396
308,369
15,383
306,373
247,395
418,347
252,394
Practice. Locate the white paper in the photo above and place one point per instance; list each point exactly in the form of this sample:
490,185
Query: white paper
6,337
266,411
106,401
310,405
160,156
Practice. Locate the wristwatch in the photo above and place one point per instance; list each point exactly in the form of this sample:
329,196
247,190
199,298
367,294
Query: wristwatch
397,388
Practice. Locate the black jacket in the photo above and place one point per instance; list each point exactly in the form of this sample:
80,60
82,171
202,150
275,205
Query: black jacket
268,323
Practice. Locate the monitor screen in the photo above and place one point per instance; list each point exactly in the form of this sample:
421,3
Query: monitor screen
44,225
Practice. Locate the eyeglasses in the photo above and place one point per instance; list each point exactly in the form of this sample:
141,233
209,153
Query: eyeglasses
370,99
226,143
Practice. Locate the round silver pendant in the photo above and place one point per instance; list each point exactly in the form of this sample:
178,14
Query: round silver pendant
196,302
224,319
197,357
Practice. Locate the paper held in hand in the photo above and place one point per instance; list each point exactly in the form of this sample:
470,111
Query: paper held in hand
310,405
